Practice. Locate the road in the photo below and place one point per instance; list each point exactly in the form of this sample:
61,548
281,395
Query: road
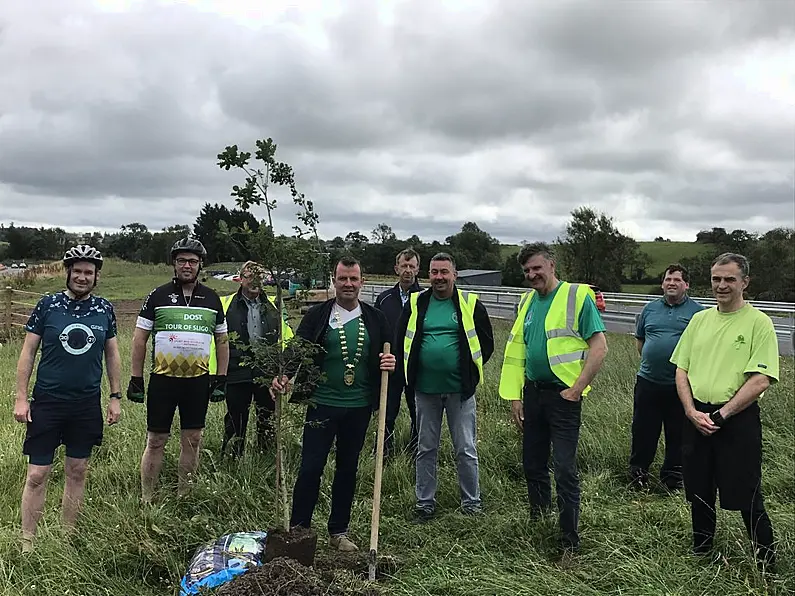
619,318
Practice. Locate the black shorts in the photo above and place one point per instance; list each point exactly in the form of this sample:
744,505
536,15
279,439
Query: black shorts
190,394
77,424
729,461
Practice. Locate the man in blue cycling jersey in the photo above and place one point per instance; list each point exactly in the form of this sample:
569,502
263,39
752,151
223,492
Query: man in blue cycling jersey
74,329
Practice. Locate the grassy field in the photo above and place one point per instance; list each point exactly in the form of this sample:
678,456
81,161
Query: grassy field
631,543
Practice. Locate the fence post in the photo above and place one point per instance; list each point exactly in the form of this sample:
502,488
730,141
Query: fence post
7,311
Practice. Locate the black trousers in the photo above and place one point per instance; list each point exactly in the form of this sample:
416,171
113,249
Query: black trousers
728,462
394,397
656,406
324,425
550,420
238,401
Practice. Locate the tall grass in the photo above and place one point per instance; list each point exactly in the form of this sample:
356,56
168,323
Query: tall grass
631,543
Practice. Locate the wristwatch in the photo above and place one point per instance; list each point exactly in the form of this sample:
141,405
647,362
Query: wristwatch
115,395
716,418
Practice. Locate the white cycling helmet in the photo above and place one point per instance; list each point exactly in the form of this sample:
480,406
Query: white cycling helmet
82,252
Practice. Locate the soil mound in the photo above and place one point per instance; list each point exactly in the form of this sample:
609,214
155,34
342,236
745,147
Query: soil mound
287,577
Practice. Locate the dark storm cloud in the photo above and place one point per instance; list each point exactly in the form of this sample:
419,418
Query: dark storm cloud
511,114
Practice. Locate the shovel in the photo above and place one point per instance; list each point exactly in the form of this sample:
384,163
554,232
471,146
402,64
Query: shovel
379,467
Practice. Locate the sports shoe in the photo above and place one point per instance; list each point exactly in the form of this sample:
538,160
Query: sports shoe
341,542
423,515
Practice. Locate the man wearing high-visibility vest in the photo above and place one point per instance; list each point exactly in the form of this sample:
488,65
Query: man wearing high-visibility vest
554,350
253,316
444,338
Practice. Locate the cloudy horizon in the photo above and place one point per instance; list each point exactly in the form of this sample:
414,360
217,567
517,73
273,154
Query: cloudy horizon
670,117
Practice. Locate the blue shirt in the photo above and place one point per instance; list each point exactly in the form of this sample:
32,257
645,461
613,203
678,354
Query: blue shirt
660,326
73,335
535,336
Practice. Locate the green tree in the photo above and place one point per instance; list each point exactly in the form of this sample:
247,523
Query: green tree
512,274
382,233
592,250
131,243
474,248
279,255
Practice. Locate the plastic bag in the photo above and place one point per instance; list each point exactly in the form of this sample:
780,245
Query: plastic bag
221,561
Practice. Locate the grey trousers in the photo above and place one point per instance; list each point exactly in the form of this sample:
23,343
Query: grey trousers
462,422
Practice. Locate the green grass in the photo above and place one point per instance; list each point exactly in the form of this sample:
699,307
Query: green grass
632,544
122,280
661,253
664,253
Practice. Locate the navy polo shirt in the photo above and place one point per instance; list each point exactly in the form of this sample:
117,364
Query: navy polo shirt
660,325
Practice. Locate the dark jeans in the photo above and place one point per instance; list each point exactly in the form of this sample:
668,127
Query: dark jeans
551,420
238,402
325,424
655,407
394,395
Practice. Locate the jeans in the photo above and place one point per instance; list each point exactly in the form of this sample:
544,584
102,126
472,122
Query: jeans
349,427
394,396
655,407
462,422
238,402
550,419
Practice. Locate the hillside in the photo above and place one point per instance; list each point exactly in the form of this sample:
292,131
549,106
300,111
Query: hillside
662,254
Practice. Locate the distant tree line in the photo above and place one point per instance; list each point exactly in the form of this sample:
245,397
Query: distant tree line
590,249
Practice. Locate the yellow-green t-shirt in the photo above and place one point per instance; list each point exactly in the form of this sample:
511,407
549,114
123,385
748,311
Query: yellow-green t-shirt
719,350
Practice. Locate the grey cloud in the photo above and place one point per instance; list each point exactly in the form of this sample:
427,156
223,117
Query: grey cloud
127,111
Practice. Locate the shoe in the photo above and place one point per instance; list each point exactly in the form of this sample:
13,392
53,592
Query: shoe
342,543
473,510
423,515
673,485
638,480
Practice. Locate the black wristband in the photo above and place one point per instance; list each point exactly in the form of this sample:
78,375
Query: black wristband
716,418
115,395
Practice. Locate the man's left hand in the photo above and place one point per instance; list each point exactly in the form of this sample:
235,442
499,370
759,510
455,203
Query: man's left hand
114,411
218,388
571,394
387,362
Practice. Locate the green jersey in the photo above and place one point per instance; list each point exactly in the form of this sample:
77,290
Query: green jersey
439,363
720,350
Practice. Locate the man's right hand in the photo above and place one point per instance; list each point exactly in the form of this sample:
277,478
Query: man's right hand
135,390
702,422
280,385
517,412
22,410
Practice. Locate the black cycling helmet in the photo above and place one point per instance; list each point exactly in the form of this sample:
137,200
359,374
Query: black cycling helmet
189,244
82,252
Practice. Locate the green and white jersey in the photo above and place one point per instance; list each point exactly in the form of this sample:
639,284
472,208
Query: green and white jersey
182,328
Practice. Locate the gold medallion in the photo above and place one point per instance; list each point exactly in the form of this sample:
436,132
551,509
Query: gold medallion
349,377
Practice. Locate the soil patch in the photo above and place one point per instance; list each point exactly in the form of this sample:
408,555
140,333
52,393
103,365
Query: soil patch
127,312
287,577
299,544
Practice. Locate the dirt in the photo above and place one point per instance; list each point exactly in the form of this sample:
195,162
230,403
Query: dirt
287,577
127,312
299,544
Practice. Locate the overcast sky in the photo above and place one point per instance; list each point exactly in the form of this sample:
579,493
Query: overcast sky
669,116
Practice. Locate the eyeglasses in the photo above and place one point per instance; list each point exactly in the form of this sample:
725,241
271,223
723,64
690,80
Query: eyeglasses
191,262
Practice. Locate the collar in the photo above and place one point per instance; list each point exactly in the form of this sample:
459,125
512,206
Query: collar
669,305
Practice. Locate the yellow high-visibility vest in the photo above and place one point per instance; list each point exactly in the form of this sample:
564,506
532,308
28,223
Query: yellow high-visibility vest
466,301
566,349
287,333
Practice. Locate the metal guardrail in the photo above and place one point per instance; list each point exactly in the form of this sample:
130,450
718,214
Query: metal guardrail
503,302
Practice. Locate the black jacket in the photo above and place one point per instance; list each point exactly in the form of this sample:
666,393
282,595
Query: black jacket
237,321
314,327
391,305
469,372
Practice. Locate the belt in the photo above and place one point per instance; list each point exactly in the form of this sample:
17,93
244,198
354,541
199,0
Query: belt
546,385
